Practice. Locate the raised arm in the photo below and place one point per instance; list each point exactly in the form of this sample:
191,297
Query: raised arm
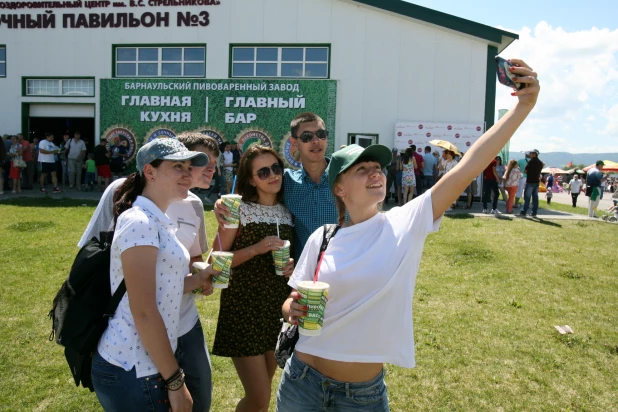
447,190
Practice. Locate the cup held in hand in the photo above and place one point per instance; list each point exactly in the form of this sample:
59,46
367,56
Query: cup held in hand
232,202
222,263
313,295
281,257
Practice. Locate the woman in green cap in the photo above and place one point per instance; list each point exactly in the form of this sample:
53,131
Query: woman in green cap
368,317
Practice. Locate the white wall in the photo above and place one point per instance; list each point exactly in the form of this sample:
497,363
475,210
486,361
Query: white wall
389,67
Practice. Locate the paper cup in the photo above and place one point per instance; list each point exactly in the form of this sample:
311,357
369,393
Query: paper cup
221,262
281,257
198,267
233,203
314,296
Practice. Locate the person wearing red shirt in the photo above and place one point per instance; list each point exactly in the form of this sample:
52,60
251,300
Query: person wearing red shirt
28,171
490,184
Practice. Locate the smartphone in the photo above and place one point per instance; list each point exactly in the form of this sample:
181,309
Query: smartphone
505,76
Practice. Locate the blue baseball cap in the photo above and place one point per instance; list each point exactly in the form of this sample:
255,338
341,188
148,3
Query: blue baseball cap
168,149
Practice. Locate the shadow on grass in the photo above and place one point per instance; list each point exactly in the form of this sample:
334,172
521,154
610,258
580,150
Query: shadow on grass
460,216
546,222
48,202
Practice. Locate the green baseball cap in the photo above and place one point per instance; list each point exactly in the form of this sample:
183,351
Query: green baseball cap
342,159
168,149
600,163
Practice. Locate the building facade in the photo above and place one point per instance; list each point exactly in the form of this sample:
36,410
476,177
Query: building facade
377,61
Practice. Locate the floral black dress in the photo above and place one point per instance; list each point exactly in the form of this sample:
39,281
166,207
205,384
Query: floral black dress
250,308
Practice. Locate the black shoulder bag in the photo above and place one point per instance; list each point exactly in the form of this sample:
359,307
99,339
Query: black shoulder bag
289,333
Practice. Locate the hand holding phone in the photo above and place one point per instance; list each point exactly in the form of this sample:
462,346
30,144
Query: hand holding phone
505,75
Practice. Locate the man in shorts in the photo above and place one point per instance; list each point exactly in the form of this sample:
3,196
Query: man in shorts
101,160
47,150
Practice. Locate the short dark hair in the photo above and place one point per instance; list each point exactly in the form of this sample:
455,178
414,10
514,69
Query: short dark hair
194,139
77,132
428,149
49,135
306,117
413,147
245,171
103,140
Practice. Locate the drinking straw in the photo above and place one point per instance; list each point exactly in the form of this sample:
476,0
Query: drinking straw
219,239
234,184
277,228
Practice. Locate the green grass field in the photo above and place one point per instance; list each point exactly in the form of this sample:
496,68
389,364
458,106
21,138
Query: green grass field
488,294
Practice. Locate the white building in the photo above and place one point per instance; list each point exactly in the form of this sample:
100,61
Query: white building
392,60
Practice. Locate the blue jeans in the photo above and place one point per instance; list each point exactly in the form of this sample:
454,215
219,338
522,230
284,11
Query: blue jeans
427,182
119,390
303,389
192,356
489,187
532,189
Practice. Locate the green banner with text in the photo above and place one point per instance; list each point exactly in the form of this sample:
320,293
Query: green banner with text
135,111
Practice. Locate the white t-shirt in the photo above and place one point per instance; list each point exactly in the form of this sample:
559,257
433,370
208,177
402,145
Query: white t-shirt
371,268
194,240
144,225
576,185
188,215
75,148
49,146
228,158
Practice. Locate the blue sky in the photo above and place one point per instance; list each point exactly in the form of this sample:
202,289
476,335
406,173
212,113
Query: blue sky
574,47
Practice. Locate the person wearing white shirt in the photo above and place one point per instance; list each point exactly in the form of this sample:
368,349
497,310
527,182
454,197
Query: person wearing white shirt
575,187
135,367
75,156
368,316
228,167
188,214
47,150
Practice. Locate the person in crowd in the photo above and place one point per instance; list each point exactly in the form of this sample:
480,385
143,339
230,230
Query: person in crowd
3,158
448,162
550,181
136,350
409,178
343,367
522,182
47,151
602,189
430,164
34,148
76,153
575,187
307,186
91,172
391,176
418,168
101,160
548,195
399,181
594,178
490,187
227,160
28,171
188,214
236,153
7,163
15,154
511,182
533,173
118,155
501,169
248,332
64,160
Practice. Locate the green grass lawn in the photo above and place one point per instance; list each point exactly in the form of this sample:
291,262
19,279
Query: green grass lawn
488,294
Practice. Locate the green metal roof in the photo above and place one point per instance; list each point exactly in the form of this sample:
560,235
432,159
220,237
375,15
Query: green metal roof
445,20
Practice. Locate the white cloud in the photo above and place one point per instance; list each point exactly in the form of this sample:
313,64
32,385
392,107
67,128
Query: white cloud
578,76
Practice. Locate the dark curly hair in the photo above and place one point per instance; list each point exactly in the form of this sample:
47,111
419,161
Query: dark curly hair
245,172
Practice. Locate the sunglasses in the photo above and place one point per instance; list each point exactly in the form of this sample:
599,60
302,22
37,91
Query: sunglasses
307,136
264,173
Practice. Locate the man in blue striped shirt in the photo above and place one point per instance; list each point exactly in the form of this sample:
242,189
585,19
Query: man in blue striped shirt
307,193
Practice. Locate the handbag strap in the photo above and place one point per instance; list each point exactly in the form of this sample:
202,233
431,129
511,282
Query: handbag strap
329,233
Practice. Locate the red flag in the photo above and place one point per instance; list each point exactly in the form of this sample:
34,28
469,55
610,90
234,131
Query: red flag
570,164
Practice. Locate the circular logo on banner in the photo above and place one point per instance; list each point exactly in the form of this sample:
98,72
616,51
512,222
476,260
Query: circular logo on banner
159,132
457,135
478,128
449,127
212,132
428,134
399,134
410,141
290,156
419,150
468,143
125,136
420,126
251,137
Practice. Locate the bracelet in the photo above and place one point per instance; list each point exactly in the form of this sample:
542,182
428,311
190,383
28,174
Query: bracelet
176,381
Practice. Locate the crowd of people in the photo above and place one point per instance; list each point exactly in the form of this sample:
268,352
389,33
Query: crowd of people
154,349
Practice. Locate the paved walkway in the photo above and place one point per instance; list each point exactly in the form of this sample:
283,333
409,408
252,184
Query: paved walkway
476,211
582,200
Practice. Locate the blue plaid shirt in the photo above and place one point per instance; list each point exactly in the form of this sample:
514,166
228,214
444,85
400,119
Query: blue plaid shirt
312,205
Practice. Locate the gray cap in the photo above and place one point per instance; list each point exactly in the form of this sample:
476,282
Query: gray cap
168,149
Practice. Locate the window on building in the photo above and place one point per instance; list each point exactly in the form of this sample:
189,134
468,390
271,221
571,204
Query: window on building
60,87
153,61
284,61
2,61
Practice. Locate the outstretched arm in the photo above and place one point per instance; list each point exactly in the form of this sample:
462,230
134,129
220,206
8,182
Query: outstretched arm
483,151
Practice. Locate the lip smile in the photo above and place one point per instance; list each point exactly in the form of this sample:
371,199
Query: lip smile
374,186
